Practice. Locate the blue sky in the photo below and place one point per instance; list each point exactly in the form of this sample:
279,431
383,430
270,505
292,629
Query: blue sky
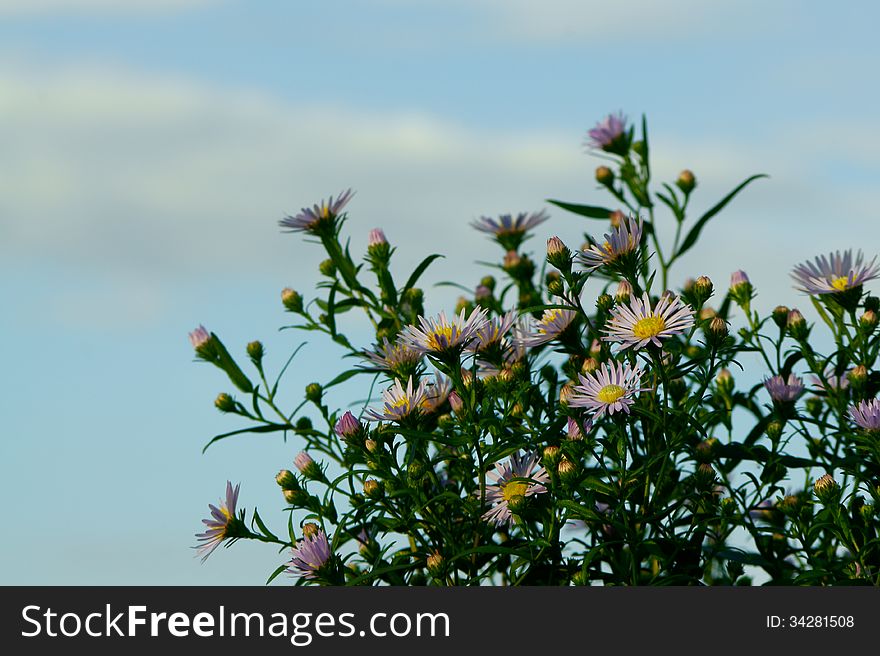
149,148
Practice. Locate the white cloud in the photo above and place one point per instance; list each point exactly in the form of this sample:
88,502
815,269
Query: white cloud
65,7
109,173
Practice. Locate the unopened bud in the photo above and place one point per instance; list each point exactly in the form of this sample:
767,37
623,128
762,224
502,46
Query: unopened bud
740,288
567,470
255,351
780,316
706,449
455,402
616,218
463,304
590,365
565,393
605,302
797,325
624,292
858,376
725,381
488,281
826,488
295,497
555,287
604,176
717,330
557,252
551,456
307,466
868,321
814,406
327,268
310,530
303,424
373,489
435,564
347,426
705,474
686,181
371,446
774,430
314,392
286,480
702,289
291,300
224,402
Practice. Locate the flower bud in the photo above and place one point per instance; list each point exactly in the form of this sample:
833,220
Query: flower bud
741,289
286,480
310,530
255,351
605,302
308,467
482,293
639,148
604,176
415,472
565,393
295,497
707,313
774,430
725,381
705,474
463,304
555,287
567,470
686,181
551,455
291,300
435,564
868,321
595,348
797,325
717,330
706,449
224,402
590,365
488,281
373,489
414,296
512,260
314,392
347,426
371,446
455,402
858,376
616,218
780,316
303,424
826,488
702,289
624,292
558,254
327,268
446,421
814,406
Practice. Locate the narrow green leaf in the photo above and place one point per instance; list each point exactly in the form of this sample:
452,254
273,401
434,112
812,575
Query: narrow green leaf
275,574
419,270
259,522
270,428
694,233
591,211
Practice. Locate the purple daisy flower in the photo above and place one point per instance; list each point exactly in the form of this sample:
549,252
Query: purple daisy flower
508,224
492,331
834,273
784,390
398,357
309,555
440,335
639,324
610,389
551,325
607,132
347,425
867,414
220,525
310,218
622,240
400,402
199,337
515,478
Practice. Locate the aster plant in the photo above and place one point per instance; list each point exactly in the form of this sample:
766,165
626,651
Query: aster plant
582,417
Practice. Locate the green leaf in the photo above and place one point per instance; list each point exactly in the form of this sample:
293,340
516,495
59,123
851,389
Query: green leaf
694,233
262,526
270,428
591,211
419,270
275,574
345,375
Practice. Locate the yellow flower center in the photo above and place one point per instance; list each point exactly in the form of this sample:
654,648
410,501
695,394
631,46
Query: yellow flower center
610,393
549,317
514,488
325,211
840,283
649,327
401,403
440,338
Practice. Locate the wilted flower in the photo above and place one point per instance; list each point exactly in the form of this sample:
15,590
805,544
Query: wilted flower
222,524
639,324
835,273
310,219
513,480
782,390
440,335
610,389
400,403
551,324
608,133
309,555
867,414
621,241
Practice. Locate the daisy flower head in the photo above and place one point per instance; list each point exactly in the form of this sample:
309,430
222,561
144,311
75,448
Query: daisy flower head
551,325
314,219
513,481
309,555
399,402
492,332
867,415
610,389
439,335
223,524
640,324
784,390
509,230
610,135
398,357
835,273
618,250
